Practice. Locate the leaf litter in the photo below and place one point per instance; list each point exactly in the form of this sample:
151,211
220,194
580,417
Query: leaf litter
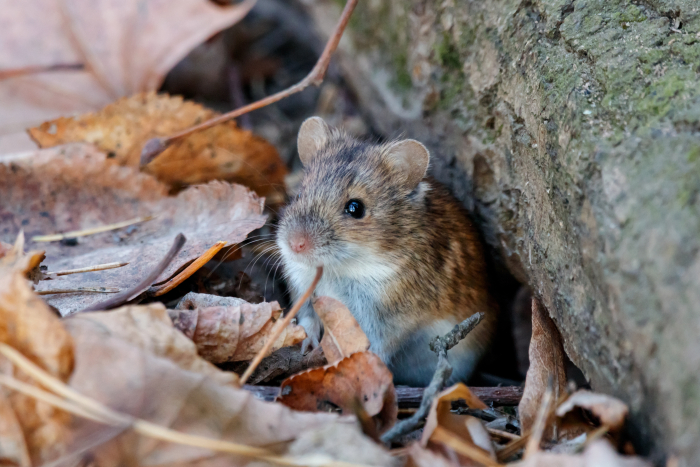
138,384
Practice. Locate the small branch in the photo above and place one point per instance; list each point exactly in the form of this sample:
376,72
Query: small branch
97,267
155,146
144,284
409,398
279,327
92,231
189,270
79,289
502,434
439,345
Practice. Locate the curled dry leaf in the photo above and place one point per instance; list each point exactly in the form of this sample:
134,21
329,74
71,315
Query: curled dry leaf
73,187
610,411
449,433
224,152
362,378
342,335
546,363
94,51
14,257
27,324
228,329
418,456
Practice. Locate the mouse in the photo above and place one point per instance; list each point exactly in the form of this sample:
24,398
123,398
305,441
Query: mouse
397,249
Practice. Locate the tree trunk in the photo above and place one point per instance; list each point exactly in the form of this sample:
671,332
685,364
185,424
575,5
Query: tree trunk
572,129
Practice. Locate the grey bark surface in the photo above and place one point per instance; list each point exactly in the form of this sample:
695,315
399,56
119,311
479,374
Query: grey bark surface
572,129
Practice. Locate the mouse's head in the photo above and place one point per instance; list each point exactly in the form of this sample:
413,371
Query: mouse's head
358,202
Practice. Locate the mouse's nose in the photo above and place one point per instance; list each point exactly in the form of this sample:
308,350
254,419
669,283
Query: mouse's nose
299,242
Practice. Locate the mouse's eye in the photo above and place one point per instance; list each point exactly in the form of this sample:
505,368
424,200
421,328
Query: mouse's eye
355,208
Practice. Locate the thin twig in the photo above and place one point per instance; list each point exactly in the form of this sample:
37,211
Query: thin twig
84,406
279,327
97,267
439,345
92,231
155,146
157,291
79,290
145,283
31,70
502,434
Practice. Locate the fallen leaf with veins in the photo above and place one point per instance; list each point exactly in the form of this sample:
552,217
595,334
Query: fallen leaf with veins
224,152
92,52
443,427
342,335
362,378
546,362
74,187
610,411
227,329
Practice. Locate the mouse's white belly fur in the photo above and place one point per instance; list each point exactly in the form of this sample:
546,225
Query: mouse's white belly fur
360,288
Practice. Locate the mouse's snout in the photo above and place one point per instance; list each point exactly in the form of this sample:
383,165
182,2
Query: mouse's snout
299,242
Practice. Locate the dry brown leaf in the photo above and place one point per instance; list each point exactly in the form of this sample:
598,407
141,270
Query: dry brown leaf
342,335
546,362
226,330
149,327
361,378
610,411
113,49
443,428
73,187
14,257
224,152
13,449
27,324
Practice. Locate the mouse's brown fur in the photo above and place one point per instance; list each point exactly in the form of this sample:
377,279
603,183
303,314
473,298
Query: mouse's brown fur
410,269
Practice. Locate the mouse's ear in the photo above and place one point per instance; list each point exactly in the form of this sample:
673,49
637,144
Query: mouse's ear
314,134
409,158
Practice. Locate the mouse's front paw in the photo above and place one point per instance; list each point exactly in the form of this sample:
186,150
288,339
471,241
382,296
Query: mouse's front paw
313,333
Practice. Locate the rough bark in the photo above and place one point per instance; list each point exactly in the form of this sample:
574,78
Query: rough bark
572,128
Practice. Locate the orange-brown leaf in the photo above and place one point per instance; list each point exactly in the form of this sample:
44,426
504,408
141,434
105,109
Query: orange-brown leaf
609,410
224,152
342,335
546,362
362,378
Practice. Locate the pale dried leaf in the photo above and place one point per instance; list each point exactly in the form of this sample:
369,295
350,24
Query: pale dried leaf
27,324
116,48
79,189
231,333
224,152
421,457
149,327
441,420
598,454
546,362
361,378
609,410
13,449
342,335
